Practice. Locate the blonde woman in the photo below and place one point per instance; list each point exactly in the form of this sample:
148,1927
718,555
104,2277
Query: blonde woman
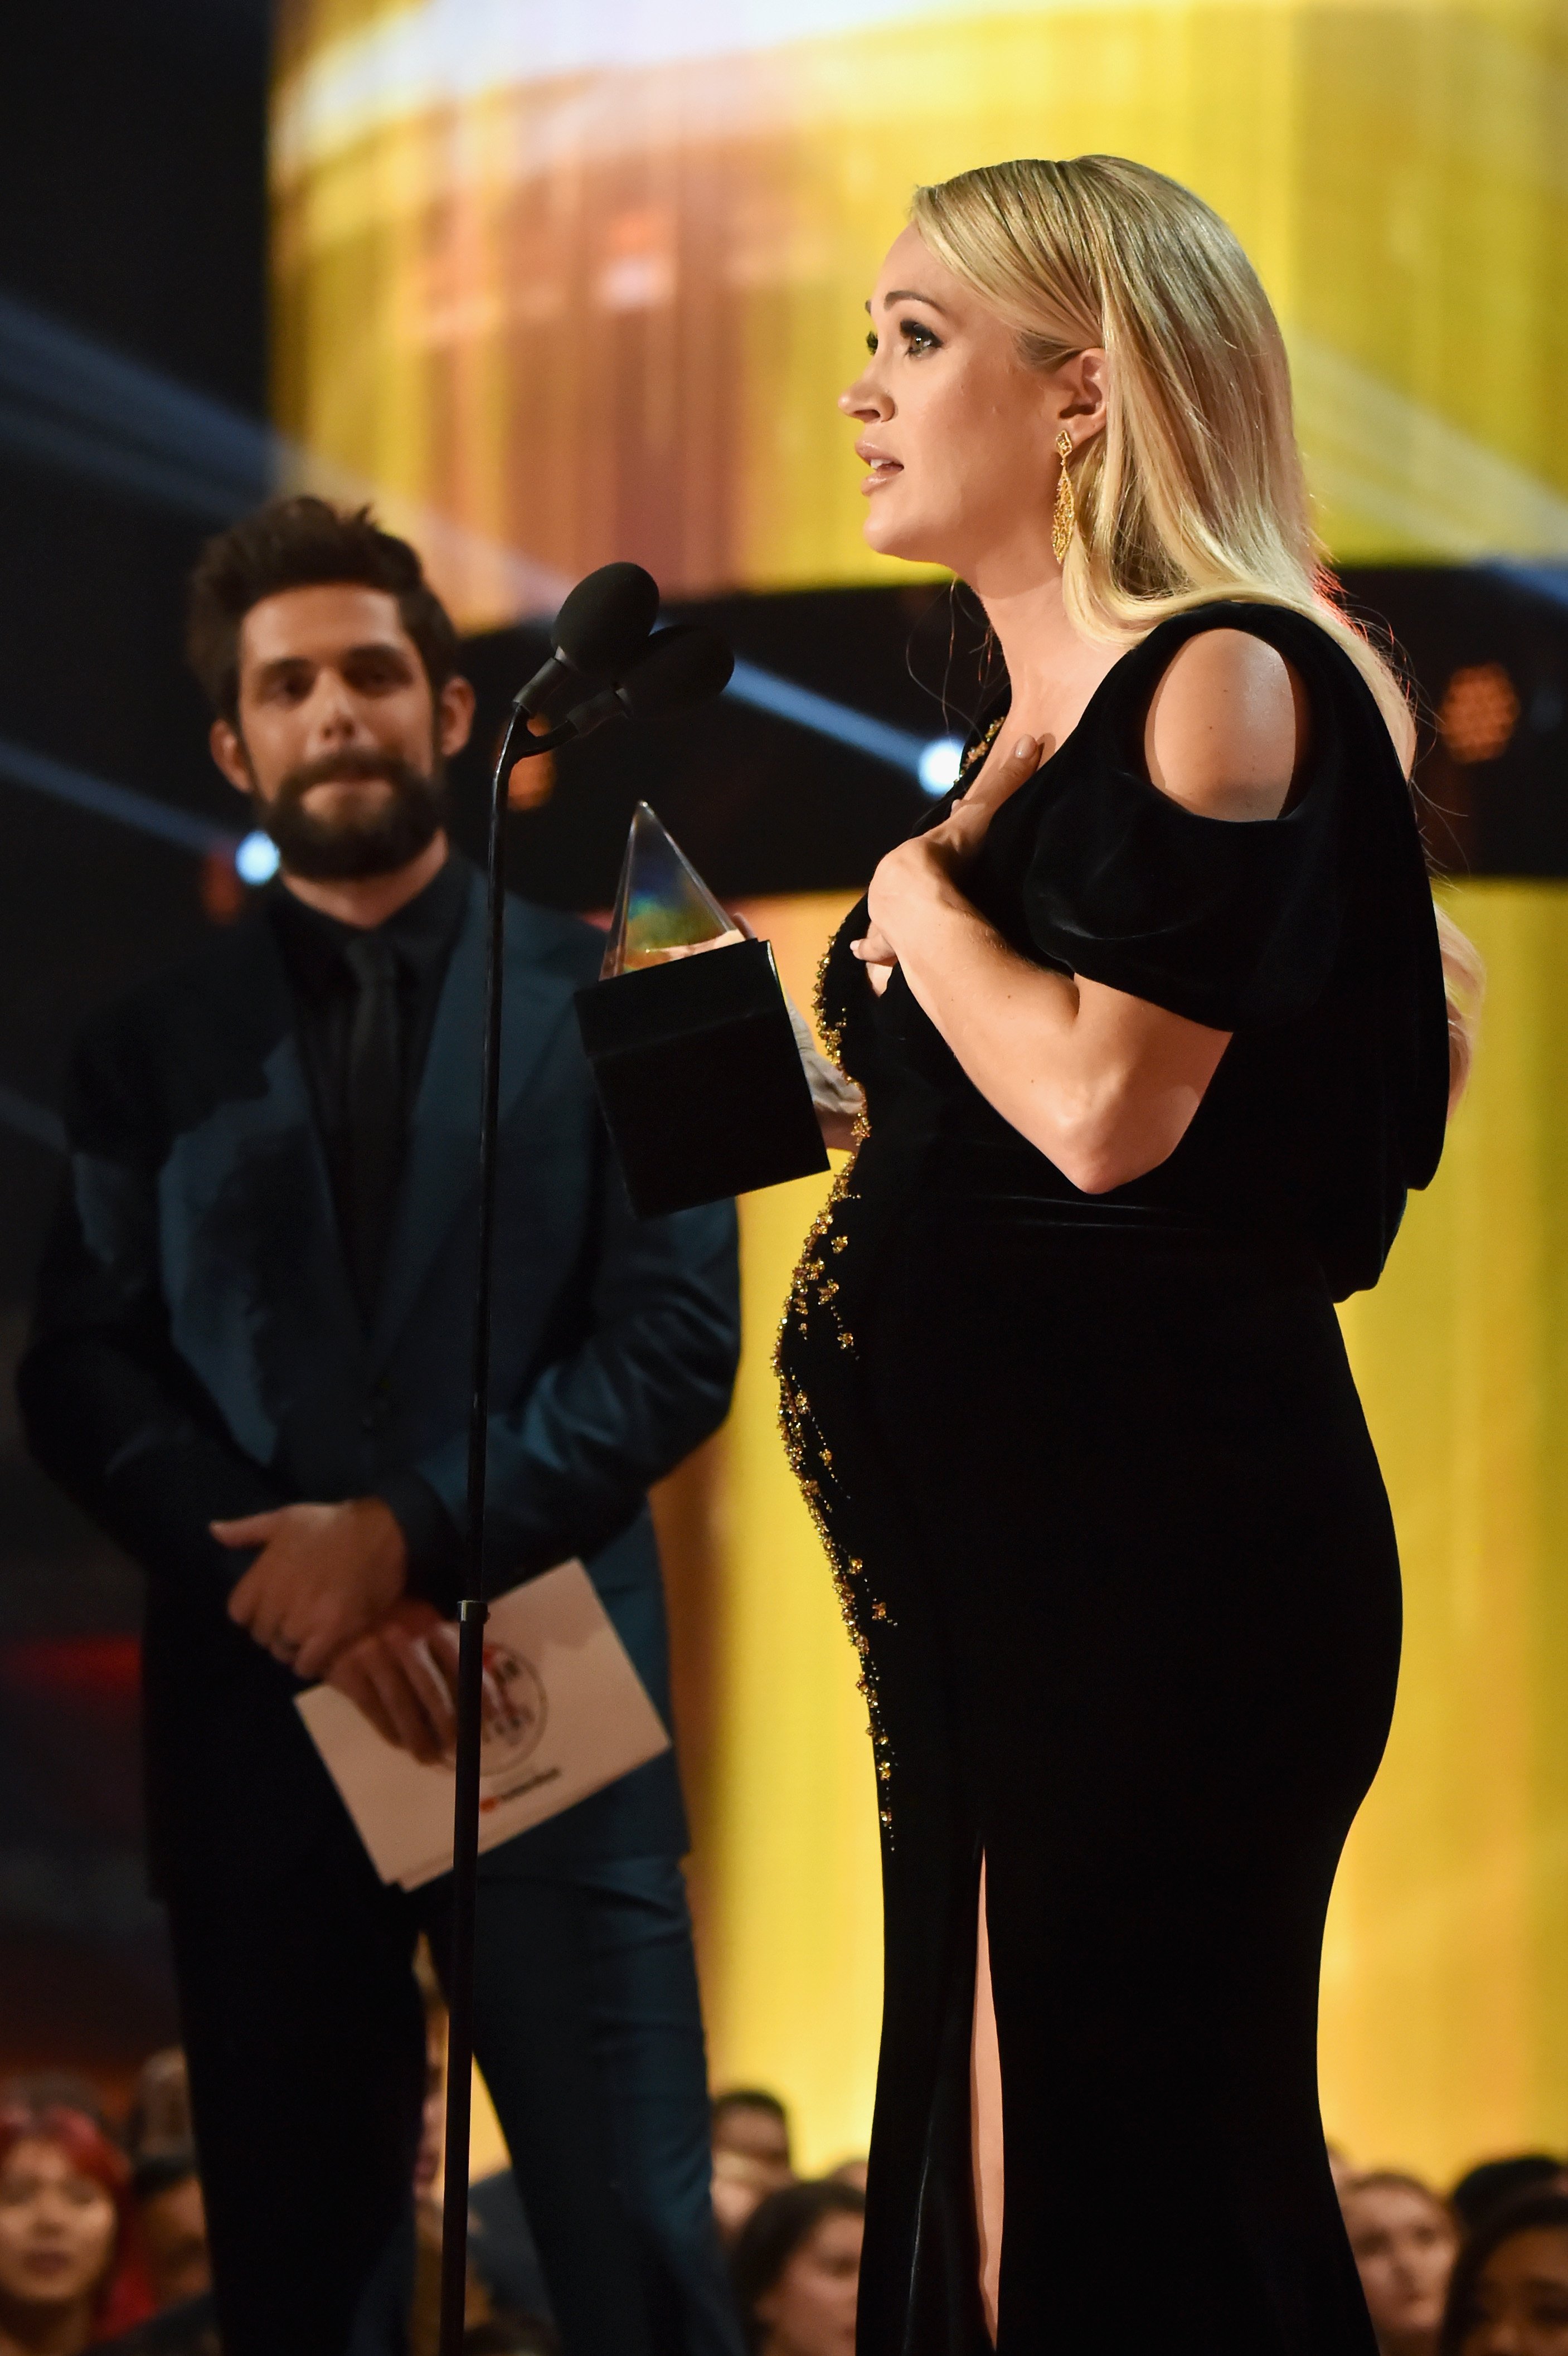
1151,1029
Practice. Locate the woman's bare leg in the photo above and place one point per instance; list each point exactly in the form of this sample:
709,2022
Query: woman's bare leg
985,2121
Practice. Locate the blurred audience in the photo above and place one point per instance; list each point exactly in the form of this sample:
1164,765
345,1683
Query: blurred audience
1405,2240
1481,2189
67,2275
98,2253
1508,2295
751,2154
796,2267
189,2329
159,2119
171,2226
755,2126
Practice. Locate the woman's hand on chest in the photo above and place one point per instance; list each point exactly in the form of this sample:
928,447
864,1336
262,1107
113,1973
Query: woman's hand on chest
919,877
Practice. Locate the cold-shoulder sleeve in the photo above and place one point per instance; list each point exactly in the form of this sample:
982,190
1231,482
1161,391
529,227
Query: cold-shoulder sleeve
1230,922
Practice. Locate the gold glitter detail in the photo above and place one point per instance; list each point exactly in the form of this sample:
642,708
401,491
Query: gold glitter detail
832,1032
812,1291
978,752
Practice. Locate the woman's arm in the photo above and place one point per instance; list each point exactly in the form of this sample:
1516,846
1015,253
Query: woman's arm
1104,1084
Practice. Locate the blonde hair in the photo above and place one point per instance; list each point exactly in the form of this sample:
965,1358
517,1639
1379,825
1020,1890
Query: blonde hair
1195,491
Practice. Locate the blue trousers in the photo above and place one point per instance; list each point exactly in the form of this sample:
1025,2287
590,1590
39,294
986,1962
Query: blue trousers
304,2035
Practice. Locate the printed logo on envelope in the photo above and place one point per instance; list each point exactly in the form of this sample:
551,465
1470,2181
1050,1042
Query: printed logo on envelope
573,1717
510,1738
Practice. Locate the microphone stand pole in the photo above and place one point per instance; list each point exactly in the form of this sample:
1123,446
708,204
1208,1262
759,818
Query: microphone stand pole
475,1609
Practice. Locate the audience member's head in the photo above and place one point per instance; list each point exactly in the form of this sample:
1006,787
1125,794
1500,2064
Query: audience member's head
54,2090
1405,2240
1508,2295
850,2171
160,2118
171,2226
797,2271
756,2126
1481,2189
751,2154
65,2277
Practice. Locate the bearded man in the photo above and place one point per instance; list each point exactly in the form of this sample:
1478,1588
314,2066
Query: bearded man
250,1364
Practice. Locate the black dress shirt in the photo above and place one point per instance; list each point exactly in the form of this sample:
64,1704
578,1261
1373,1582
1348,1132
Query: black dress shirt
420,935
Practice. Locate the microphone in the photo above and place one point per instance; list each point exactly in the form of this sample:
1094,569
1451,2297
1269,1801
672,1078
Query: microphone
601,628
685,664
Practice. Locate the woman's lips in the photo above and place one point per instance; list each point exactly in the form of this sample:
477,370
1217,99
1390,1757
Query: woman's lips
881,471
46,2264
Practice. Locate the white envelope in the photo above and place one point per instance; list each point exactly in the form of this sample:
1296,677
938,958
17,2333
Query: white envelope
577,1716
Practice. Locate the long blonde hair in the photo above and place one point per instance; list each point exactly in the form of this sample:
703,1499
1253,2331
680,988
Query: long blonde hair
1195,491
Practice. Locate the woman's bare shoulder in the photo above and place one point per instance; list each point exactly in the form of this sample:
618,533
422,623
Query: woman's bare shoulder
1227,727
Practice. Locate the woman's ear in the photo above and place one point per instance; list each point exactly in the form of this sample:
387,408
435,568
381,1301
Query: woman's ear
1082,384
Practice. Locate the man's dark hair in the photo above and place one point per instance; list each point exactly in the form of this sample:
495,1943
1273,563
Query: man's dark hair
304,543
748,2098
1481,2189
1527,2212
160,2171
775,2229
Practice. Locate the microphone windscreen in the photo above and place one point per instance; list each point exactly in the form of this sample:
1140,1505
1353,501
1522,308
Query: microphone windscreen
606,618
685,664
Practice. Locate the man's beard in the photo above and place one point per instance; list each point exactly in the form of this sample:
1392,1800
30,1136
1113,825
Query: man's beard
376,839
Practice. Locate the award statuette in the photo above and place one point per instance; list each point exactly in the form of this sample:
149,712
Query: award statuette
695,1056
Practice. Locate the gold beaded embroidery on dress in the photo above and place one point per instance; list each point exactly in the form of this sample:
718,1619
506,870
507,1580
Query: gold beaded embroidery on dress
814,1293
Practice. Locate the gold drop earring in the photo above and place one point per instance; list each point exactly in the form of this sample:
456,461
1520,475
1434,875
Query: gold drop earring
1063,514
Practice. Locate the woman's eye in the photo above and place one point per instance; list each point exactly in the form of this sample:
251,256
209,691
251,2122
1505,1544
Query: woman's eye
871,342
918,337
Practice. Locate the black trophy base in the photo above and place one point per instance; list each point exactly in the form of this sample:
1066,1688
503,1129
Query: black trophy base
700,1078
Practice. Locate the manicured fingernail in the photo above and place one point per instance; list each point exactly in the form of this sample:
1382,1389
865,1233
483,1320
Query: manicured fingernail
1025,746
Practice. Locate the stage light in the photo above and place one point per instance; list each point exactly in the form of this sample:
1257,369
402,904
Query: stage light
1479,713
940,765
256,858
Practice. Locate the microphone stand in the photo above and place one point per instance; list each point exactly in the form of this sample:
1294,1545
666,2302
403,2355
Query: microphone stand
475,1607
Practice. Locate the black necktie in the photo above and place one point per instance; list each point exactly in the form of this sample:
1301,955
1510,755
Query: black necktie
374,1110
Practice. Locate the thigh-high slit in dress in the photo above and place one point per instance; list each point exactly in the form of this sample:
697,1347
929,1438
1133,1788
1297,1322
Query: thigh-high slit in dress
1114,1550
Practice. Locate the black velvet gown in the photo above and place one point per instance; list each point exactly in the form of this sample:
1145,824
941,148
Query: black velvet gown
1114,1547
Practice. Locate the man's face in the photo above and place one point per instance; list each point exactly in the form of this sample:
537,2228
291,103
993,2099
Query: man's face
173,2231
341,740
759,2136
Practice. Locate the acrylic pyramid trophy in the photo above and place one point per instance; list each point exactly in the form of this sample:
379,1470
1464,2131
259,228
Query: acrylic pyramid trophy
688,1036
662,906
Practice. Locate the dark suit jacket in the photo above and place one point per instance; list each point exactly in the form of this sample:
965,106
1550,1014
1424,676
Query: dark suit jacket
198,1353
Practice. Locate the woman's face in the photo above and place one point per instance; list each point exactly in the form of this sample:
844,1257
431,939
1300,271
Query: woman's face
1520,2303
56,2229
1404,2247
810,2311
957,433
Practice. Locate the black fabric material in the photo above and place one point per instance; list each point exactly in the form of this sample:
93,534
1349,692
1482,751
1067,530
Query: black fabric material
374,1110
306,2041
199,1352
365,1004
1114,1548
